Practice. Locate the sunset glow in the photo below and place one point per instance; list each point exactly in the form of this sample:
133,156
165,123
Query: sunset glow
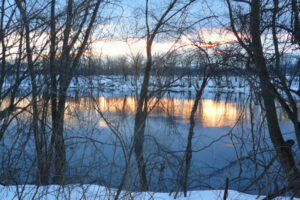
208,37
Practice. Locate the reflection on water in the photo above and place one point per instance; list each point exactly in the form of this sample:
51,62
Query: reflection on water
217,114
210,113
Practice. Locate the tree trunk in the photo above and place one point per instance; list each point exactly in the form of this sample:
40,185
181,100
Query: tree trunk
188,151
283,149
139,130
58,130
140,123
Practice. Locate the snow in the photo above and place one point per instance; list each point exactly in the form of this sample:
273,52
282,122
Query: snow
117,85
100,192
131,83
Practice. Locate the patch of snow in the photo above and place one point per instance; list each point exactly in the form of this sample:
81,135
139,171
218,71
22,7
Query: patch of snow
100,192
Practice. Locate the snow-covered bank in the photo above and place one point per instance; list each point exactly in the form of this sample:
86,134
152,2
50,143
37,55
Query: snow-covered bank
131,84
119,86
184,87
99,192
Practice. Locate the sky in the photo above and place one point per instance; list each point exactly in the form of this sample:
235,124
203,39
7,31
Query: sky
123,34
117,47
129,30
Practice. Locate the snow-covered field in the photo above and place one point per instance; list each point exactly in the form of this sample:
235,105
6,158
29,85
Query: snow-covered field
99,192
120,85
117,85
183,84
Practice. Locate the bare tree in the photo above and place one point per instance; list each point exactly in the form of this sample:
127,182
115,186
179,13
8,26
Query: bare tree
13,73
8,28
43,169
81,18
174,9
76,30
207,73
256,54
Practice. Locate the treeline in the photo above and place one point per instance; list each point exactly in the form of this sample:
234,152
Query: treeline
128,69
